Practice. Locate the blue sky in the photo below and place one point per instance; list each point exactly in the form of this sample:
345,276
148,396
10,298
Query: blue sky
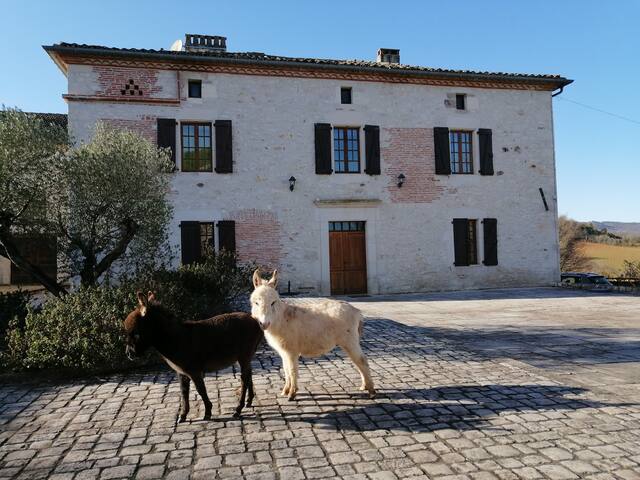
593,42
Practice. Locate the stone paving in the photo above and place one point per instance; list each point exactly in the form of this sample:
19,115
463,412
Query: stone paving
471,386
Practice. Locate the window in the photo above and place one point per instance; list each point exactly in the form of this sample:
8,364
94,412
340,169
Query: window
195,89
346,226
472,243
346,149
206,239
465,242
196,240
345,95
461,101
461,152
196,147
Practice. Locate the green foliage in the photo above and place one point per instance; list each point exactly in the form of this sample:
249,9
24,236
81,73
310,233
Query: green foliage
13,307
631,269
116,212
83,330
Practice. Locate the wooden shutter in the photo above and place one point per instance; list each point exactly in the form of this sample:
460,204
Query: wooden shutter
372,147
224,147
167,135
441,150
490,228
227,235
323,148
190,242
460,237
486,151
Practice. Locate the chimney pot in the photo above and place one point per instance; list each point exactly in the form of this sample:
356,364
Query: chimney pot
388,55
209,43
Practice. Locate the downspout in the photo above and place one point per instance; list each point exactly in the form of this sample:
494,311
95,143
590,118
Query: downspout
558,93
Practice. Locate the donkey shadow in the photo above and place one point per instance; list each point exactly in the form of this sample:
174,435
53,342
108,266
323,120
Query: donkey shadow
431,409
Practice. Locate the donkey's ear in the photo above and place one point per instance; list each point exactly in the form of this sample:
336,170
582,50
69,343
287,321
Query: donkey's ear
274,279
142,303
257,279
151,297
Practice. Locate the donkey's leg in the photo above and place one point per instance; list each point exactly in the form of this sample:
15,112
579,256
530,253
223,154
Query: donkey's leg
185,382
287,373
250,393
198,380
357,357
292,359
245,378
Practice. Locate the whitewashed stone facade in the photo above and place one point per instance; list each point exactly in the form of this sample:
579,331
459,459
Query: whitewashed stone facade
409,235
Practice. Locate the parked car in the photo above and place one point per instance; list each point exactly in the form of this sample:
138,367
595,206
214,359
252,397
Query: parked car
587,281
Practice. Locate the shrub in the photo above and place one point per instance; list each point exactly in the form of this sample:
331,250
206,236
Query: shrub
13,308
83,330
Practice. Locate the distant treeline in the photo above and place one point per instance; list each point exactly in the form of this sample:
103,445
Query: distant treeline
592,234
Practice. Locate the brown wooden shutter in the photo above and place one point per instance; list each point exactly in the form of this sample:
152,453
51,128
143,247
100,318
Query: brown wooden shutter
323,148
227,235
486,151
490,228
441,150
372,147
224,147
190,242
460,237
167,135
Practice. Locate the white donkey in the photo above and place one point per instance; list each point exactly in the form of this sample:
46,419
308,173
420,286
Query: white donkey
309,330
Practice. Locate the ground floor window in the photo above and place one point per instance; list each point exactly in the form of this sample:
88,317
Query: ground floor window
465,241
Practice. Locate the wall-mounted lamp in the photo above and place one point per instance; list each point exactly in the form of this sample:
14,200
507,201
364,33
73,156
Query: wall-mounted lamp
292,182
401,179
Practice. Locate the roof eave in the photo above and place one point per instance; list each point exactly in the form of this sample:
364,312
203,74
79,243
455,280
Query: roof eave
55,50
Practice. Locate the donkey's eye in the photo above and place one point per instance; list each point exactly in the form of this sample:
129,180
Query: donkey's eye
273,303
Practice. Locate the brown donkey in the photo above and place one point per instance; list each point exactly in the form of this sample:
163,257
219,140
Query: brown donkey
192,348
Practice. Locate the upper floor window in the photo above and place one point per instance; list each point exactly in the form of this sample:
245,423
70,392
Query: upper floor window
196,147
461,153
346,149
461,101
195,89
345,95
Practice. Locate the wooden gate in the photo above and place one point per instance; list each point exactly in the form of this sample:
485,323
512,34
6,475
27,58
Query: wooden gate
347,258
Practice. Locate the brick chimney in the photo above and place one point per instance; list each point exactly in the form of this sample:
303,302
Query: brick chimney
388,55
210,43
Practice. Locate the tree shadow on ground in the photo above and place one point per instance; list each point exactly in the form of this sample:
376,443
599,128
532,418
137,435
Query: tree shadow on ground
431,409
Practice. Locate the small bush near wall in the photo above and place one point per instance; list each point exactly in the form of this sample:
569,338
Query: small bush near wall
13,307
82,331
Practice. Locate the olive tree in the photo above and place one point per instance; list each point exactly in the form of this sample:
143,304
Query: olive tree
111,209
105,201
29,147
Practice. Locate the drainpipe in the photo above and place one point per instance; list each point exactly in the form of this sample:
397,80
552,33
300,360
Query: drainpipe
558,93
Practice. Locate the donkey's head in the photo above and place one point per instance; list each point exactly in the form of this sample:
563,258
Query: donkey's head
265,301
137,326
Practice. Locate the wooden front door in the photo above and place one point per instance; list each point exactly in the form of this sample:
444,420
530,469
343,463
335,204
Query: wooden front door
347,258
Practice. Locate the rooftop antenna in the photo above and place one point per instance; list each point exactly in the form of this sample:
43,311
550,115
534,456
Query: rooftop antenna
176,46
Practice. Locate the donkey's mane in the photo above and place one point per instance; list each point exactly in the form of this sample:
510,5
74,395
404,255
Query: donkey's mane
155,308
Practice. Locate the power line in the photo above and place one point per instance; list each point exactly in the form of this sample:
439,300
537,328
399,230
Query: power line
600,110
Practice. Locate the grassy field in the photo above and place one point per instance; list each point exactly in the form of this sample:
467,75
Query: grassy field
610,258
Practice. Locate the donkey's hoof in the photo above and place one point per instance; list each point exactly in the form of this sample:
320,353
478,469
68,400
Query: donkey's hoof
372,393
236,415
292,397
207,416
181,418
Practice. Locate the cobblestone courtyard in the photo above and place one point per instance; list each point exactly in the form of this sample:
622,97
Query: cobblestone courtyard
527,383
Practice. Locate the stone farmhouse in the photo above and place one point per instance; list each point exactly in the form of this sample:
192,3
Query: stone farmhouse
350,176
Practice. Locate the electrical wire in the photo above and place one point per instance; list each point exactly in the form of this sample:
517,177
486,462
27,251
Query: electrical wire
564,99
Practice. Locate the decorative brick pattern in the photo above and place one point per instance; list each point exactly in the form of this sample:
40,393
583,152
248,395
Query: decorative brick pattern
258,237
410,151
145,126
113,81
